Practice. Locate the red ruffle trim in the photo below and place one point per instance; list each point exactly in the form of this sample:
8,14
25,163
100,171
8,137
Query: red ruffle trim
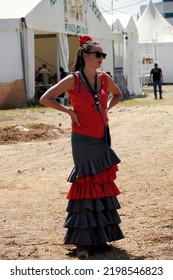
95,186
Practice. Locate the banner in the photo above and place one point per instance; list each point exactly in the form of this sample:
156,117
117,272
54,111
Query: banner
75,15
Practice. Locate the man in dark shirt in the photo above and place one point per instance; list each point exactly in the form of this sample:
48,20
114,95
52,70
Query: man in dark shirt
63,74
157,76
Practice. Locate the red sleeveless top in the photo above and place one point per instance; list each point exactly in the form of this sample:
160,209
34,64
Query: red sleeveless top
90,119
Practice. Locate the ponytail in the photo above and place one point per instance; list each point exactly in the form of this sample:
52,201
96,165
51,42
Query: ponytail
80,62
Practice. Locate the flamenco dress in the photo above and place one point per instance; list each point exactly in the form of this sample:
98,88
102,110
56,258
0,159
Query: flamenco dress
92,217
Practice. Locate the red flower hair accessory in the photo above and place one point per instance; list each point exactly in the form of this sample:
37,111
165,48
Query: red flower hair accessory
84,40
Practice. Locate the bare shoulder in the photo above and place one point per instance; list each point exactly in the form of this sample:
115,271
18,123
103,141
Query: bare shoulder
100,73
72,79
69,77
68,81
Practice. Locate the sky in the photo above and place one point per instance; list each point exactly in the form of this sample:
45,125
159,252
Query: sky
121,7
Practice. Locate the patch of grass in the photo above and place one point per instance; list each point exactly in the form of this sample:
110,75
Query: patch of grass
10,113
147,98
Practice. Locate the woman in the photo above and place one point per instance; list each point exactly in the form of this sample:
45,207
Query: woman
92,219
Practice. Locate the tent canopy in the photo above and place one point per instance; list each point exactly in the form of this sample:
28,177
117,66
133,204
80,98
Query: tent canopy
122,21
152,26
49,15
126,27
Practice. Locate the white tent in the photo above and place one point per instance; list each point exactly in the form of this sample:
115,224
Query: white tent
156,42
21,22
125,33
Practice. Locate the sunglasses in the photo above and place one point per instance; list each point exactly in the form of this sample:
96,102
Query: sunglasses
99,54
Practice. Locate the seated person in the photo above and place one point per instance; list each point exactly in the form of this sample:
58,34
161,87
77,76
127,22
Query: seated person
41,89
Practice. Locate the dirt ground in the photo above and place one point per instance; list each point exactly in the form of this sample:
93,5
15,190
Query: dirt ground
35,160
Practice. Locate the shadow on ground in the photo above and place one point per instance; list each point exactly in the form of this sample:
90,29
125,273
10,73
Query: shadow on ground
112,254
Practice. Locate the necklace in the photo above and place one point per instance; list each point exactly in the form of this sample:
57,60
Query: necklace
94,91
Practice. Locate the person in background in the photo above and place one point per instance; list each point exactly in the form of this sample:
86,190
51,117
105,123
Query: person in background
63,74
40,88
93,220
46,74
39,79
157,77
109,94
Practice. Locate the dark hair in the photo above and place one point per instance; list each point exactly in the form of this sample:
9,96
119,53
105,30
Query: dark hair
85,48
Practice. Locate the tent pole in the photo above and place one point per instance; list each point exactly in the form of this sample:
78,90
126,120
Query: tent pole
113,46
23,23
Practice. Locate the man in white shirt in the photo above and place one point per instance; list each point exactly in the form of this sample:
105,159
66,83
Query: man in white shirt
46,74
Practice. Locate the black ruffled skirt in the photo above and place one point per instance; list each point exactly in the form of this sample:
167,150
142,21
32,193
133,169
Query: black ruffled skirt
92,208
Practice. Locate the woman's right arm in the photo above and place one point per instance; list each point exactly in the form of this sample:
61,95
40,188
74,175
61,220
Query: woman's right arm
48,98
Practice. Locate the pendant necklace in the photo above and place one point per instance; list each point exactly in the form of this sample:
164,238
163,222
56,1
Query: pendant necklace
94,92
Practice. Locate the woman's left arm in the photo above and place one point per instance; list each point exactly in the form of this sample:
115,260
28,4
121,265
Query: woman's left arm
116,93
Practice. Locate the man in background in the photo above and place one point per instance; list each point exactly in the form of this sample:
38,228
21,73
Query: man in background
63,74
157,77
46,74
